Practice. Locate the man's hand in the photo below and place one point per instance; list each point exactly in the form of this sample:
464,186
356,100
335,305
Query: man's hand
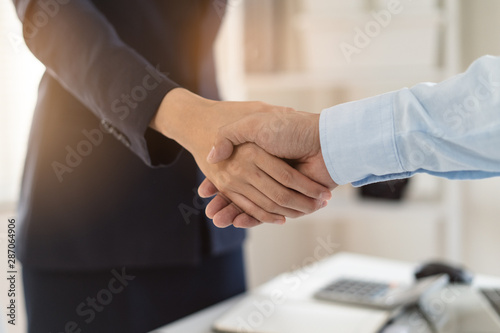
284,133
266,188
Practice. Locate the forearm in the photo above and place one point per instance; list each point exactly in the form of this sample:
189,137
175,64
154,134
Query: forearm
188,119
450,129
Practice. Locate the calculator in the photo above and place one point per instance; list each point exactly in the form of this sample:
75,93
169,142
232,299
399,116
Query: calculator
382,295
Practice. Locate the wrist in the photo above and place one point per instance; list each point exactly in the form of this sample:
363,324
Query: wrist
315,120
183,116
308,134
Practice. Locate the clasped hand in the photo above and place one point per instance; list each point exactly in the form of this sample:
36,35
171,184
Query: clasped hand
283,132
252,183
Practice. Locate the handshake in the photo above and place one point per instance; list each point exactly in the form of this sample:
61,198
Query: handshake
269,167
263,163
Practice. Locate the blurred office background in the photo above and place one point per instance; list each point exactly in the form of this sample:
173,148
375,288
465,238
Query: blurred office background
288,52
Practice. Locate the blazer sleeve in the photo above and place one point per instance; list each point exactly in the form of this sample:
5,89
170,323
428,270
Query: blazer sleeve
83,52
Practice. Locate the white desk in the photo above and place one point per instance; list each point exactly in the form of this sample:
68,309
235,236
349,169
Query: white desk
311,278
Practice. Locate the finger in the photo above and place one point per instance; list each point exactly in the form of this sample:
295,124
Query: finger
253,193
207,189
254,210
231,215
285,174
218,203
235,170
222,150
295,180
241,176
245,221
225,214
264,191
280,178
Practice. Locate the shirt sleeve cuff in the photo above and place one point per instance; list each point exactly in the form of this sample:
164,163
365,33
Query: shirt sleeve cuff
357,141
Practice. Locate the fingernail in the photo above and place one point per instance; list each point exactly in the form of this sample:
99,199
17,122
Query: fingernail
211,154
325,196
324,203
279,221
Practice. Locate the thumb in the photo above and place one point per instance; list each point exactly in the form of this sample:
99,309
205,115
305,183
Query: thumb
231,135
222,150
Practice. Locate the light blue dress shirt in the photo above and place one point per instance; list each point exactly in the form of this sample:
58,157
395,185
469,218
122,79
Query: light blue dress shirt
450,129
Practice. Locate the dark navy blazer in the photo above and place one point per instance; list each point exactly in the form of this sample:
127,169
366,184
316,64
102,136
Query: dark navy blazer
100,188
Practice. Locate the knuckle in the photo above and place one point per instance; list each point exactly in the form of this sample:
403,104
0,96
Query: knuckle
282,198
311,208
269,206
312,205
223,178
245,177
285,177
223,187
249,152
234,168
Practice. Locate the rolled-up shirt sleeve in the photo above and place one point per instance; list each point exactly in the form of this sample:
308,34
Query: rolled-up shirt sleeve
450,129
